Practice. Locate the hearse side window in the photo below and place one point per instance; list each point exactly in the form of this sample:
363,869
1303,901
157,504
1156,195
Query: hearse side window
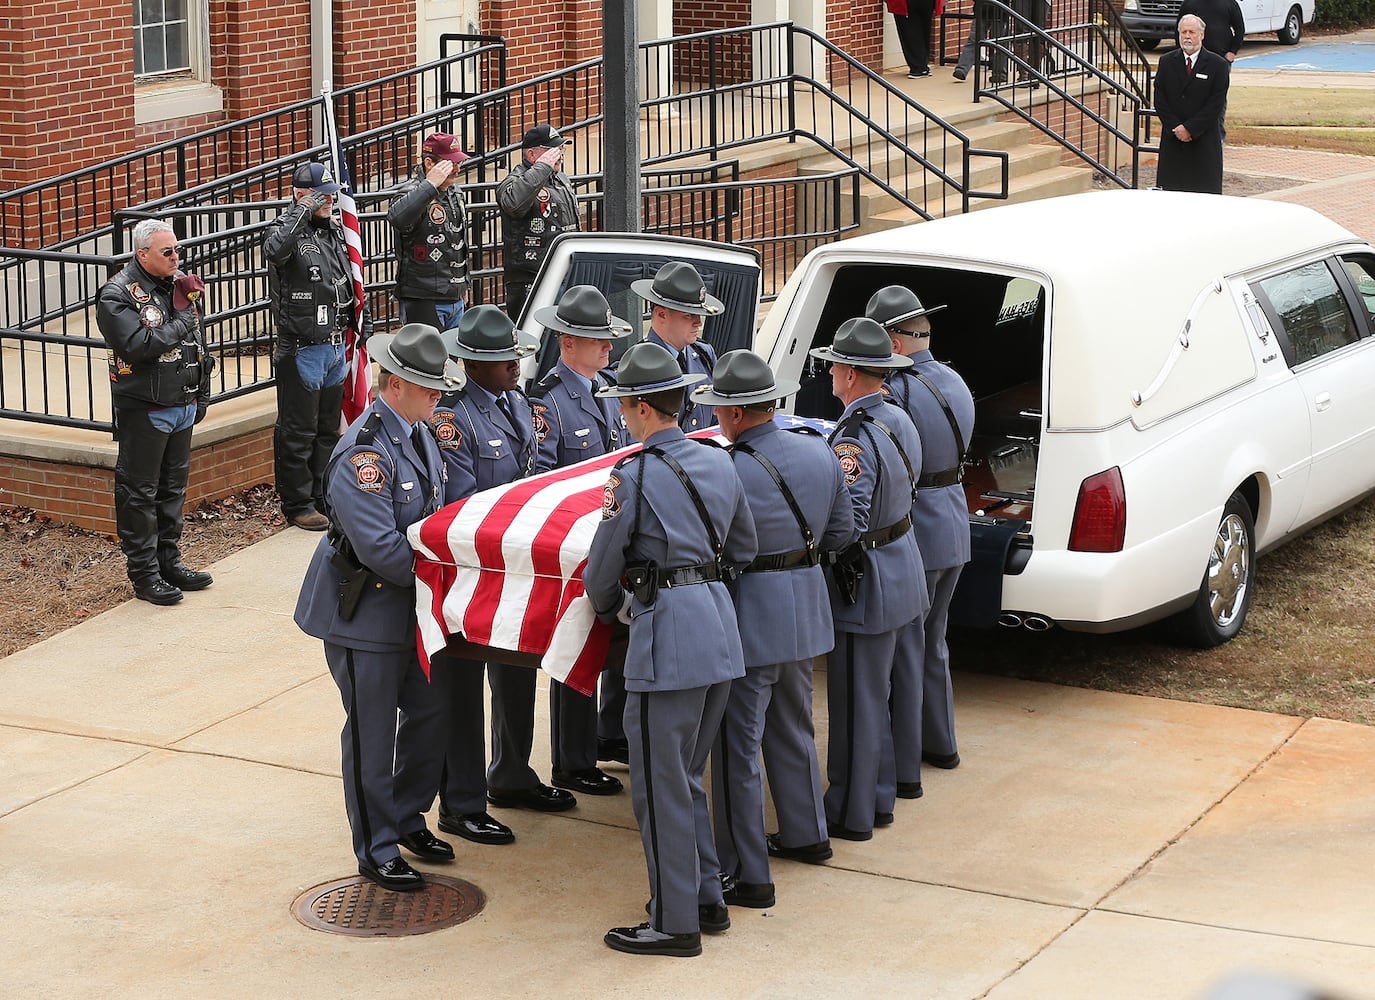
1361,271
1307,307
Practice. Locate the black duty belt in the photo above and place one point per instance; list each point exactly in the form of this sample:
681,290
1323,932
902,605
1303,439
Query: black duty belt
685,575
783,560
935,480
882,536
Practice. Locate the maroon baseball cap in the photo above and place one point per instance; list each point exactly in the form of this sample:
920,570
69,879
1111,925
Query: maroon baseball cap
442,146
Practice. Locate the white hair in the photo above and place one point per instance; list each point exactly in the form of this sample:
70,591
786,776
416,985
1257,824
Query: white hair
1193,17
143,232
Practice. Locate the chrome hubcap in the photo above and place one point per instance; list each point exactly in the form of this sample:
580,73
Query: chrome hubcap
1229,571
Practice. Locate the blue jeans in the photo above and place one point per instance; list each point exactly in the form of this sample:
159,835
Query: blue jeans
440,315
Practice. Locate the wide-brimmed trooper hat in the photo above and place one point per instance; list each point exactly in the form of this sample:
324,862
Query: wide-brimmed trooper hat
863,343
896,304
741,378
583,312
416,353
485,333
646,369
679,286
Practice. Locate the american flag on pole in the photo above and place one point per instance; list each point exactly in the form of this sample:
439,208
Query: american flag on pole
503,568
357,377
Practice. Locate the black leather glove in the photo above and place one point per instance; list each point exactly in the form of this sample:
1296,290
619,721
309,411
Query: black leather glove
313,202
201,407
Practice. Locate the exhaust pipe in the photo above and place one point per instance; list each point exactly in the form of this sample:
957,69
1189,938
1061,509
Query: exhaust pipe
1035,623
1009,619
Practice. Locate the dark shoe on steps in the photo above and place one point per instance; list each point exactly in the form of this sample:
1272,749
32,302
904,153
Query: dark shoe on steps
183,576
645,940
593,781
311,520
395,874
755,895
156,590
812,854
845,833
960,73
947,761
423,844
909,790
540,798
480,828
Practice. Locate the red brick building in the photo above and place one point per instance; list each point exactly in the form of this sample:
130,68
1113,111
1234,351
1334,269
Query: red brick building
83,81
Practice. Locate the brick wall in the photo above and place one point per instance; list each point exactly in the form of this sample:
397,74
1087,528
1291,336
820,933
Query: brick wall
64,83
260,54
858,29
84,495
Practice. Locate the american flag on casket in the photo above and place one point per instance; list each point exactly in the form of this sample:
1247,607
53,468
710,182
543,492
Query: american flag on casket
503,568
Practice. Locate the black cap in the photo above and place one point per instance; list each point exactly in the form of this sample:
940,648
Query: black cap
543,136
315,177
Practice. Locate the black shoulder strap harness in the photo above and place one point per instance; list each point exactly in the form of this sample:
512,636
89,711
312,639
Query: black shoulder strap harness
807,555
679,576
859,419
945,477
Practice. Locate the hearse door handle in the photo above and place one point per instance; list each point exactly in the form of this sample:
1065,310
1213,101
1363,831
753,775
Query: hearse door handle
1322,401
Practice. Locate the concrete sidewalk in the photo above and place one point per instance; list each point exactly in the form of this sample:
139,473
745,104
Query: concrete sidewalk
172,784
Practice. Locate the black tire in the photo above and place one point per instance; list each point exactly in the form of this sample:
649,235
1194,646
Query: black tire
1148,44
1219,610
1293,27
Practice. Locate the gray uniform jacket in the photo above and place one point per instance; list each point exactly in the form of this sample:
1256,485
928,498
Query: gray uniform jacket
571,424
941,513
688,638
701,359
537,203
787,611
481,448
431,241
893,591
377,485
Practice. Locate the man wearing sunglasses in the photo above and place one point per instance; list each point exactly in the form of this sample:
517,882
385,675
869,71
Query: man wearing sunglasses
149,315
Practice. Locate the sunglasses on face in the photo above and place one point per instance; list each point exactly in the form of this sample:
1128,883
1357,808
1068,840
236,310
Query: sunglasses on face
169,252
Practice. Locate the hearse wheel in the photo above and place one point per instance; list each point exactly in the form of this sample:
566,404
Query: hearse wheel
1219,610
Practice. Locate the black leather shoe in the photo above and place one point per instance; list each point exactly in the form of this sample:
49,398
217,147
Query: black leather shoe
183,576
948,761
395,874
845,833
593,781
883,819
480,828
617,750
645,940
156,590
812,854
540,798
712,918
909,790
960,73
755,895
424,844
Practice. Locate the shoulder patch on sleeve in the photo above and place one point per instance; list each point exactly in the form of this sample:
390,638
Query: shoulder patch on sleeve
611,504
370,475
849,454
446,430
538,411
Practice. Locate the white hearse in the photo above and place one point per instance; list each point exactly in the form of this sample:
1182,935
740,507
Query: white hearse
1166,384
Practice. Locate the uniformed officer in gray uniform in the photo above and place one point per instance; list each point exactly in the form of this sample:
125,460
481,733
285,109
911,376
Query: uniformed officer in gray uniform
571,425
675,524
942,409
879,456
487,435
801,510
680,303
359,597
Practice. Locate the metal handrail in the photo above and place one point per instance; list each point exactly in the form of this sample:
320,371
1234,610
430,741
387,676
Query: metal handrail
1017,57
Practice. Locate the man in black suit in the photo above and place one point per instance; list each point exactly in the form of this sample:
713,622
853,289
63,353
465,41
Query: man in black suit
1190,97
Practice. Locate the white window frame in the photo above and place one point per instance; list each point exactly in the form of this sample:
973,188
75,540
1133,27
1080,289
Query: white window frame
181,93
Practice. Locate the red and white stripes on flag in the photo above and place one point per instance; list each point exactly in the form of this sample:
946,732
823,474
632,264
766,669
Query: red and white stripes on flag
358,376
504,569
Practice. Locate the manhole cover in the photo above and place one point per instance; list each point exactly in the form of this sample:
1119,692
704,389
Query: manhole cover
362,908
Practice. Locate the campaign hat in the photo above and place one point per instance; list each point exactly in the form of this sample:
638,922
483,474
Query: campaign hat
416,353
646,369
741,378
485,333
679,286
864,344
896,304
583,311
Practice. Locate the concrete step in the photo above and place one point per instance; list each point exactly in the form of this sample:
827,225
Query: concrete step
1050,182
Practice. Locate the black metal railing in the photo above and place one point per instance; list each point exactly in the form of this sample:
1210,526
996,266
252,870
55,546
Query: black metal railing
1085,85
717,91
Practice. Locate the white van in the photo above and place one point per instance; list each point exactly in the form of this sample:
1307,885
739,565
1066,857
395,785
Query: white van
1165,385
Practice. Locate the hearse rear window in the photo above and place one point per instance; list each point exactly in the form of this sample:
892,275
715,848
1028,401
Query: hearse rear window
1307,307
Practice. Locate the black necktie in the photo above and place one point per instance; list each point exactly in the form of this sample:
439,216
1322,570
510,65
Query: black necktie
504,405
418,439
683,360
